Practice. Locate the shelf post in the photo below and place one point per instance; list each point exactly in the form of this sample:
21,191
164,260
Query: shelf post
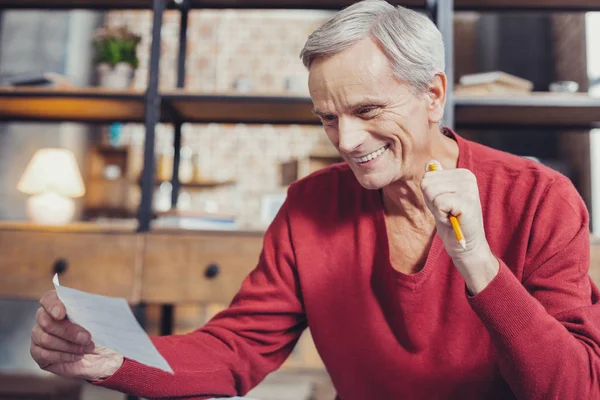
441,13
152,116
175,184
167,312
181,61
181,57
444,19
152,112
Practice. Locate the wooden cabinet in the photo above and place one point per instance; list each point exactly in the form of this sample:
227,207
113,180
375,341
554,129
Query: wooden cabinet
106,263
39,387
197,267
174,267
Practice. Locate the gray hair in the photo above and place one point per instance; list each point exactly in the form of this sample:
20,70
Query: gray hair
410,40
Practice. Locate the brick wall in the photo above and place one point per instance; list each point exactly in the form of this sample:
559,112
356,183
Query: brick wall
225,46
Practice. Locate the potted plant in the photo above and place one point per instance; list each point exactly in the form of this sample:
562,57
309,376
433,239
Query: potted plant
116,56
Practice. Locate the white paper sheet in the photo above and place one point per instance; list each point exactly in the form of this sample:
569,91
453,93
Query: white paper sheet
112,325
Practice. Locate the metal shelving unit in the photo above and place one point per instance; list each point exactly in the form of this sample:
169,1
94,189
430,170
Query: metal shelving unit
178,107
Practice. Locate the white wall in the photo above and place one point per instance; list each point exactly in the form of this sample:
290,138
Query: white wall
593,52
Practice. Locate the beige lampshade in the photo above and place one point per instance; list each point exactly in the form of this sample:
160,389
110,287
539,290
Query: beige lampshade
52,170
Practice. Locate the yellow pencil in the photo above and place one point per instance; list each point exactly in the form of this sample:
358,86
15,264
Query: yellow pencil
453,219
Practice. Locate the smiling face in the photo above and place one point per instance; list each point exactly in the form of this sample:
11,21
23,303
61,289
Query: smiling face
380,127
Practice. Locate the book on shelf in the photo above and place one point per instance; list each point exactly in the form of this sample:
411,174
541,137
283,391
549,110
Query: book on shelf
495,82
37,79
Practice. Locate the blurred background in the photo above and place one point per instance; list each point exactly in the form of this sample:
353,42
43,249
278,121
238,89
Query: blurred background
216,138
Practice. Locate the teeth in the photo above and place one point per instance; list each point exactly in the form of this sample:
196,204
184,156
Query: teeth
371,156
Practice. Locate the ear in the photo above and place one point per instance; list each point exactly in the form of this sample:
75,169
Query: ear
436,97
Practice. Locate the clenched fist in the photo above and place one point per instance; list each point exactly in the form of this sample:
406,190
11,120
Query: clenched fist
66,349
455,192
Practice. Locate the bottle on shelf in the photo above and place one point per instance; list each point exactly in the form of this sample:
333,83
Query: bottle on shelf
164,166
162,197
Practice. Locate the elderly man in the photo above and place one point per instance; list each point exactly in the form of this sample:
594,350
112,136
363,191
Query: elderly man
363,253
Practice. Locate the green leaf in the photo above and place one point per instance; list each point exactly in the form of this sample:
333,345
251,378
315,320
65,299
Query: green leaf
115,50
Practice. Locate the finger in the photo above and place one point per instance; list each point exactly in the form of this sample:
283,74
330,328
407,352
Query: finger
64,329
461,181
51,342
453,175
431,189
44,357
53,305
447,204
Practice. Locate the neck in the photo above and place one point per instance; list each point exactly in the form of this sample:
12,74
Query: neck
403,199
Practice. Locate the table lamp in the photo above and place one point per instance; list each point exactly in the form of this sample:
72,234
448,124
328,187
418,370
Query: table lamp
53,179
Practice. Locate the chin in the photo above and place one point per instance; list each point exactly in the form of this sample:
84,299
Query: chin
372,182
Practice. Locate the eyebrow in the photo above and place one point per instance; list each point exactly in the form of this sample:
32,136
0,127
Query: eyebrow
320,113
354,107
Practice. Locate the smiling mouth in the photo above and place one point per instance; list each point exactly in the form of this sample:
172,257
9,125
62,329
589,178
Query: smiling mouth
371,156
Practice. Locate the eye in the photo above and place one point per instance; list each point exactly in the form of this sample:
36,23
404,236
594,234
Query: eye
367,111
328,118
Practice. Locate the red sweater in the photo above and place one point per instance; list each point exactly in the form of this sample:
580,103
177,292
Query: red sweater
533,333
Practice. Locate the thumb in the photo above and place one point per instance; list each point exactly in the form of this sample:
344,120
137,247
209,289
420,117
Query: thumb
433,165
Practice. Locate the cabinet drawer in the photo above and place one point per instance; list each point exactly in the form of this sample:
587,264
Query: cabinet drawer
205,268
102,263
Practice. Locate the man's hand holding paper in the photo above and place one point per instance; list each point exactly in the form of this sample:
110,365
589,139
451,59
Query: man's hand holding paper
87,336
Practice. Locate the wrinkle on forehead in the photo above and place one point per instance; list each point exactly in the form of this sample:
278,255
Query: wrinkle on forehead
351,75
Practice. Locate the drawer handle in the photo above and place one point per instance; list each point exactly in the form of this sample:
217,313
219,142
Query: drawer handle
212,271
60,266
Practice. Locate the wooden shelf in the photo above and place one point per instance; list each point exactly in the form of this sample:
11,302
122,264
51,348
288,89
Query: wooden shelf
96,105
75,227
524,5
109,212
77,4
215,4
92,105
241,109
466,5
203,184
578,111
538,109
292,4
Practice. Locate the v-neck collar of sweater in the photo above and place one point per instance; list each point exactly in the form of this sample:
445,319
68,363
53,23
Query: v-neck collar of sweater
414,281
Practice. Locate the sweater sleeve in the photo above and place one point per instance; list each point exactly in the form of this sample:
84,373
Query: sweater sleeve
235,350
546,329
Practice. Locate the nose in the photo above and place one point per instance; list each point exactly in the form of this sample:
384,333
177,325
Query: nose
351,134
